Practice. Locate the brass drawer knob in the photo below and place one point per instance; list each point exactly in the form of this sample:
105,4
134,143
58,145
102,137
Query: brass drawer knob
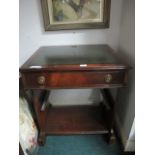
41,79
108,78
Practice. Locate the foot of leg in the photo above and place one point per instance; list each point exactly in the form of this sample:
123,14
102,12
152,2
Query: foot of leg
41,138
111,138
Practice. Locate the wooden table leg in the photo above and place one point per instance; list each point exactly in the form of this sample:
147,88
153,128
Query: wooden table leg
38,99
35,99
110,105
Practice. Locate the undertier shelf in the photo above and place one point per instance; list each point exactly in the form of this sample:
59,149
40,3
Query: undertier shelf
76,120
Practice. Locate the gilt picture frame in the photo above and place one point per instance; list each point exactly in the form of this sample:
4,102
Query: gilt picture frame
75,14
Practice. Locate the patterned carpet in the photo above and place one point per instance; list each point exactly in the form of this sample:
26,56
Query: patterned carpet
78,145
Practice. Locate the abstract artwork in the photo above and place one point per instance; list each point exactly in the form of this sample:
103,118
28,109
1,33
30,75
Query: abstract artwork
77,11
73,14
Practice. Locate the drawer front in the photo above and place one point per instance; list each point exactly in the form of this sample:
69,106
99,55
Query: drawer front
73,79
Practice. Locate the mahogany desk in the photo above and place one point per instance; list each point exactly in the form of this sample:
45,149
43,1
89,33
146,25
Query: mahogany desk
66,67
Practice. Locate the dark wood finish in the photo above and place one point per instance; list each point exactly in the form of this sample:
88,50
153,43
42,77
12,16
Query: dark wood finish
74,79
76,120
108,98
72,67
49,27
62,58
38,99
86,66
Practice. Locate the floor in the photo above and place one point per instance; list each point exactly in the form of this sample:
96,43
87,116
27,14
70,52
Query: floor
78,145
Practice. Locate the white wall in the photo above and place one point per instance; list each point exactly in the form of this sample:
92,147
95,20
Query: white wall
126,96
32,34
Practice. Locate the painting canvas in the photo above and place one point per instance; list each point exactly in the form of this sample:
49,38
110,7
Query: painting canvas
70,14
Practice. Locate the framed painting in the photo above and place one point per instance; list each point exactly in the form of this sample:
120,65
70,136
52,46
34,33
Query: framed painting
75,14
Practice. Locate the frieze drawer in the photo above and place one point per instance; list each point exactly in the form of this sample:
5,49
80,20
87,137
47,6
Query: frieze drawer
73,79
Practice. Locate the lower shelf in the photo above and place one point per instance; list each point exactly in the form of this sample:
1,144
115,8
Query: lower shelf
75,120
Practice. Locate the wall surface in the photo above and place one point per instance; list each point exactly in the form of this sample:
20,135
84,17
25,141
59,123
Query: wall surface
32,34
126,96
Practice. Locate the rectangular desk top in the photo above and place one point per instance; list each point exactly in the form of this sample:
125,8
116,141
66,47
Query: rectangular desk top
86,66
83,57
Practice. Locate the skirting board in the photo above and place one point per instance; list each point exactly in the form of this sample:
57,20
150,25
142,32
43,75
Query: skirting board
129,145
